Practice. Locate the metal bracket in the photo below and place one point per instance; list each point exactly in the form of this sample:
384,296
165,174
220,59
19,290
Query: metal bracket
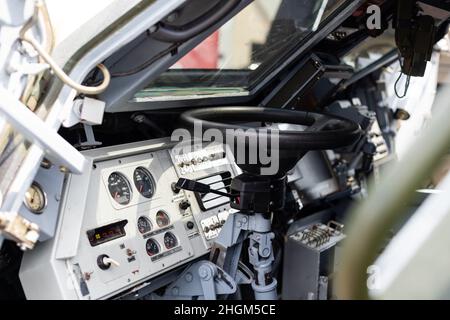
227,248
202,280
243,275
90,138
37,131
24,232
87,110
236,226
45,138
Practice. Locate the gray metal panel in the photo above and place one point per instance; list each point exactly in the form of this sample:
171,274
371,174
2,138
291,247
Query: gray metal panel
306,267
73,207
68,262
45,277
51,180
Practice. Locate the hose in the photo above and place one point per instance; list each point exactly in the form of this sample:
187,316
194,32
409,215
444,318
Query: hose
167,33
56,69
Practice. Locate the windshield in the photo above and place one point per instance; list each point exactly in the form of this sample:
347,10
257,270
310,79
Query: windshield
231,60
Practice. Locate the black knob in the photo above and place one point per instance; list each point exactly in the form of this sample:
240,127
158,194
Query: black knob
174,187
184,204
101,264
190,225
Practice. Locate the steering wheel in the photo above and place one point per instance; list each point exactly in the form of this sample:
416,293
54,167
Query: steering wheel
323,132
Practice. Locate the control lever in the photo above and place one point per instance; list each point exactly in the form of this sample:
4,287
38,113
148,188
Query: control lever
111,261
104,262
195,186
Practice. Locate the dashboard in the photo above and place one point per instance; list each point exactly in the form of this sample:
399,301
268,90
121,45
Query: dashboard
123,223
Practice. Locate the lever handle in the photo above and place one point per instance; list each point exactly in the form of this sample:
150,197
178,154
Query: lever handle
195,186
110,261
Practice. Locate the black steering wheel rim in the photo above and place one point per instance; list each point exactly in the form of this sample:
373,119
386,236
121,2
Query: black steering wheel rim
318,135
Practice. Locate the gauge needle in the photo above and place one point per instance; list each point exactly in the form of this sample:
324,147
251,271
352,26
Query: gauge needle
140,188
32,196
116,194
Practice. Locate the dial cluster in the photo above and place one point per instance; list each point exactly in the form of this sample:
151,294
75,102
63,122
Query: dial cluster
145,225
149,226
121,189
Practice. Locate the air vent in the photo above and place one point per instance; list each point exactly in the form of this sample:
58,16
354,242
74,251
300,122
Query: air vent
219,182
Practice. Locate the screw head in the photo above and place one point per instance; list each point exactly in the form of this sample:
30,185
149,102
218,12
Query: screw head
188,277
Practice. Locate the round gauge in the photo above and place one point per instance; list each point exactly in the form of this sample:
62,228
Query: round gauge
170,241
152,247
144,182
144,225
35,198
162,219
119,188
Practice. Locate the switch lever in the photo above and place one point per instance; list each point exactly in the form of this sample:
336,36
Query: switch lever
195,186
104,262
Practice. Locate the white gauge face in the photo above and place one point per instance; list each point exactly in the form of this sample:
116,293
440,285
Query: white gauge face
35,199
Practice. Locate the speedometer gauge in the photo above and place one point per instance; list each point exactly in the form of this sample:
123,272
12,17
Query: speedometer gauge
144,182
119,188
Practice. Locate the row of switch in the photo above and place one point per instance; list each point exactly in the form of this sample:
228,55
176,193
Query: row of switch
213,226
195,161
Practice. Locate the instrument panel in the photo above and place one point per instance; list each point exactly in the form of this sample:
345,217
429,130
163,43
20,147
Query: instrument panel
123,223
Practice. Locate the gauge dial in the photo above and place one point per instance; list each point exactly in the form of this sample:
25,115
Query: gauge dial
152,247
144,182
35,199
119,188
170,241
162,219
144,225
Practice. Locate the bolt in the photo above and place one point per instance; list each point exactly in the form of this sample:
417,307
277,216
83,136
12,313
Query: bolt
46,164
188,277
139,118
32,236
64,169
175,291
172,17
203,273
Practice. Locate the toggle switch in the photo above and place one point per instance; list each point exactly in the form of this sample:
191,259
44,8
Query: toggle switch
184,204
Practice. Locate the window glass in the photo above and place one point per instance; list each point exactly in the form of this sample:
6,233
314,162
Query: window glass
231,60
